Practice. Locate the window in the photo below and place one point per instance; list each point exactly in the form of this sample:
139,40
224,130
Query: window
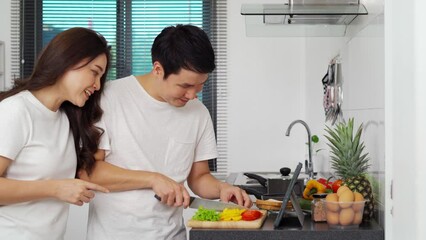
130,27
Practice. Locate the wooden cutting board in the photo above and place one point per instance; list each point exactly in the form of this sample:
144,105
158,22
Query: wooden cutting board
229,224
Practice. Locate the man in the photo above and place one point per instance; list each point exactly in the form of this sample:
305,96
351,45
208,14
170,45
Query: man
160,136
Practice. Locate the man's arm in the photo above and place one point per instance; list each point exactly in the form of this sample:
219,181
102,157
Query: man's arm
118,179
205,185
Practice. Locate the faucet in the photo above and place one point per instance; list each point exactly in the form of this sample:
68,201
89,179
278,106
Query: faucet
309,169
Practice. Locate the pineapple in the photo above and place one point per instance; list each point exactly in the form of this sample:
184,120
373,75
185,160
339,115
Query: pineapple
349,162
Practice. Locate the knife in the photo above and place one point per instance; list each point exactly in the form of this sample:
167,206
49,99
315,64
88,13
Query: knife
195,202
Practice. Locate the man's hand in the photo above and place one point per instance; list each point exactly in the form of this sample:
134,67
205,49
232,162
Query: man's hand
170,192
207,186
229,193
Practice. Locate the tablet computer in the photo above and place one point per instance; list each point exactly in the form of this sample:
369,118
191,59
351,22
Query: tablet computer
289,194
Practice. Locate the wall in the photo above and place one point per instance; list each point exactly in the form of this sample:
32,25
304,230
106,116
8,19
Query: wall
5,37
266,93
405,36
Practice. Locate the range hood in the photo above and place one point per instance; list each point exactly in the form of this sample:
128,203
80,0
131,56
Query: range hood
301,17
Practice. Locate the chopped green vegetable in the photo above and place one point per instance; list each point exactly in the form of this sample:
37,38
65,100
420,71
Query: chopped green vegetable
204,214
305,204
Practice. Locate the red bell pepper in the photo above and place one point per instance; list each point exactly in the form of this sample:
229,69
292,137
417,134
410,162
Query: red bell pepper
326,183
336,184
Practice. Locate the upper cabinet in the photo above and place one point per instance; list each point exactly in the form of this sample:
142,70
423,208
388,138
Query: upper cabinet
301,18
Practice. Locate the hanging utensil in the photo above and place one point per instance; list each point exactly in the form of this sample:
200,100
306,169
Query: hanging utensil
333,96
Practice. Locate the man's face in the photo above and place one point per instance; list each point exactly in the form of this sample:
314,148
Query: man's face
179,88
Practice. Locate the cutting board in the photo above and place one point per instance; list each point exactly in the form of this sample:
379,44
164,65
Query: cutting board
229,224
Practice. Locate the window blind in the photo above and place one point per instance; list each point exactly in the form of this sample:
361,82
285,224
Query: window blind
219,86
15,46
130,27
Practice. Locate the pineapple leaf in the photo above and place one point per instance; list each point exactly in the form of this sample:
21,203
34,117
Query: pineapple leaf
346,150
357,137
333,135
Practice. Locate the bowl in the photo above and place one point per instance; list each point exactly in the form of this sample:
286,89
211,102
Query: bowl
344,215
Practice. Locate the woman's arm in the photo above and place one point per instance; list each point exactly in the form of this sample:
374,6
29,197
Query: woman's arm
73,191
118,179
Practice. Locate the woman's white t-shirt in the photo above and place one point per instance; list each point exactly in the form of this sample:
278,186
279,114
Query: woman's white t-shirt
41,146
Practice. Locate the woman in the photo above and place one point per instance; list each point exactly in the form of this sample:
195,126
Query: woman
47,132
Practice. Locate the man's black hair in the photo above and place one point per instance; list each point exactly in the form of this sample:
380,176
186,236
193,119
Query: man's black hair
183,46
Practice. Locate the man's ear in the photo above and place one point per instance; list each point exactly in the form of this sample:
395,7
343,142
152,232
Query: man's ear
158,69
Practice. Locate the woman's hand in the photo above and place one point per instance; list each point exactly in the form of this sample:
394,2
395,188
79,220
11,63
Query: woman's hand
76,191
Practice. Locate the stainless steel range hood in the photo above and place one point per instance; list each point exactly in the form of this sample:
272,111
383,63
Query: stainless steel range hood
302,17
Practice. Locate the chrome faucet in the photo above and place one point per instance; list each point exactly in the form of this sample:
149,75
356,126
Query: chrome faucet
309,169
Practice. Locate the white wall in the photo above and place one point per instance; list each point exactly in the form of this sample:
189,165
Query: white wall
406,117
266,93
5,37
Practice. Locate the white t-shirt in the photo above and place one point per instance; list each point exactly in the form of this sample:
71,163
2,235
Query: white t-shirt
146,134
41,146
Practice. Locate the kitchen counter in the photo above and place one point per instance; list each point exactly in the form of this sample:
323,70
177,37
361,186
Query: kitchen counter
310,231
290,228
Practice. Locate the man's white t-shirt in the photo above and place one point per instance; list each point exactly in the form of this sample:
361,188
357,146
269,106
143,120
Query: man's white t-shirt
41,146
146,134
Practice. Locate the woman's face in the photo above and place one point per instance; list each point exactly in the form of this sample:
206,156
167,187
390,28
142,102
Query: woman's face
79,83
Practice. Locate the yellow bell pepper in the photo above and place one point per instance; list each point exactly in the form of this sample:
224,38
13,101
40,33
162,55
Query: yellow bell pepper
313,186
232,214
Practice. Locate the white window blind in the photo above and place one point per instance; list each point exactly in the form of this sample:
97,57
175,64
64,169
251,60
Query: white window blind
130,27
15,43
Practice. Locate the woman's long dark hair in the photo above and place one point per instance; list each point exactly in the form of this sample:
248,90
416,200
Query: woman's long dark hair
63,53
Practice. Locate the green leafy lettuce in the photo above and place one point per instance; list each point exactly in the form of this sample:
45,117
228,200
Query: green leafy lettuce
204,214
